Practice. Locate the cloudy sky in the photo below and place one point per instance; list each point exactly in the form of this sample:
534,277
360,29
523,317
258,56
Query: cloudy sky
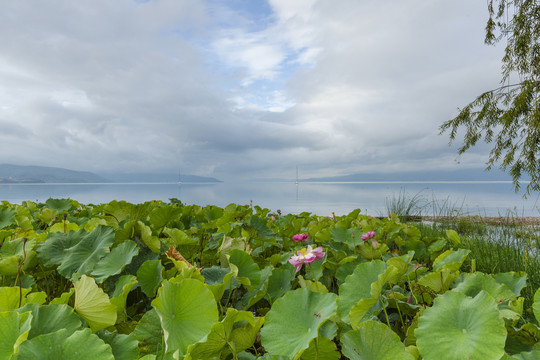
240,88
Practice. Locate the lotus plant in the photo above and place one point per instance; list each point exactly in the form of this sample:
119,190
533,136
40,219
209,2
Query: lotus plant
370,235
306,256
300,237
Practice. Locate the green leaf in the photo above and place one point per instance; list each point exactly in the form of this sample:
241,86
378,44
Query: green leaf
294,320
460,327
536,305
93,305
121,291
515,281
473,283
235,333
148,333
357,286
7,217
187,310
439,281
114,262
450,259
279,282
149,276
124,347
80,345
50,318
453,236
60,205
244,269
11,296
374,341
321,348
15,328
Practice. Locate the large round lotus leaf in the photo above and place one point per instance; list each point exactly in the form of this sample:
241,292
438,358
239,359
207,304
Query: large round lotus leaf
374,341
515,281
60,205
357,286
114,262
50,318
148,333
473,283
321,348
294,320
80,345
460,327
14,330
187,310
244,268
93,305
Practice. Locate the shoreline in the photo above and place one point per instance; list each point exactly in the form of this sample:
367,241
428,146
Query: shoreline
487,220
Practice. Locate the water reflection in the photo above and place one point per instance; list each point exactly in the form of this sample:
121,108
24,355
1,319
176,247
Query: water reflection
482,198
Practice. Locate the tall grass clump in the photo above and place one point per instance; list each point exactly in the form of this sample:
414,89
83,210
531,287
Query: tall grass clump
405,206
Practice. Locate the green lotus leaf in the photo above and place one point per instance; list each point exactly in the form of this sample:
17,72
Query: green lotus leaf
148,333
217,279
350,236
63,298
439,281
60,205
114,262
15,328
230,243
235,333
515,281
50,318
187,310
536,305
51,251
10,297
363,310
450,259
137,230
162,216
77,252
62,344
357,286
149,276
279,282
12,252
321,348
460,327
7,217
93,305
254,296
63,227
373,341
124,347
294,320
119,297
530,355
179,237
473,283
244,269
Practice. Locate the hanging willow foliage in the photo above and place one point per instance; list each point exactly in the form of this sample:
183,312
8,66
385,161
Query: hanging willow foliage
509,116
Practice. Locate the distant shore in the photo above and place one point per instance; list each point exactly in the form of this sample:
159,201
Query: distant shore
488,220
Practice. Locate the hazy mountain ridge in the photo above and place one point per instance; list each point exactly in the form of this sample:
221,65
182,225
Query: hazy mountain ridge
10,173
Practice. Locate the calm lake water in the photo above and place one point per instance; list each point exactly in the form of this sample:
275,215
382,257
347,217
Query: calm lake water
474,198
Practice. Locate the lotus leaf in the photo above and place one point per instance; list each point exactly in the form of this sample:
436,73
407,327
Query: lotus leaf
321,348
461,327
357,286
93,305
149,276
80,345
114,262
515,281
450,259
235,333
536,305
294,320
15,328
187,310
473,283
374,340
50,318
244,269
124,347
148,333
60,205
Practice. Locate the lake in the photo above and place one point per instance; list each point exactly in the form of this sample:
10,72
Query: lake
471,197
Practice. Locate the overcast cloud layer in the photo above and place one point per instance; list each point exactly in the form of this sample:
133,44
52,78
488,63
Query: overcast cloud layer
242,88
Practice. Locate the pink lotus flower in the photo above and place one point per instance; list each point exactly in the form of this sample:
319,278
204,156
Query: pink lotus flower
306,256
300,237
370,235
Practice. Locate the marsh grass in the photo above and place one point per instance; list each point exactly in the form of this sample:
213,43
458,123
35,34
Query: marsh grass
496,248
405,206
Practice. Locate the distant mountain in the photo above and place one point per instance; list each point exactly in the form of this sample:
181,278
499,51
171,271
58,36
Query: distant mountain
41,174
158,177
455,175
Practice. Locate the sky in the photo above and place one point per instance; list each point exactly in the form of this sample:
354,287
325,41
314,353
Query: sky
241,89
